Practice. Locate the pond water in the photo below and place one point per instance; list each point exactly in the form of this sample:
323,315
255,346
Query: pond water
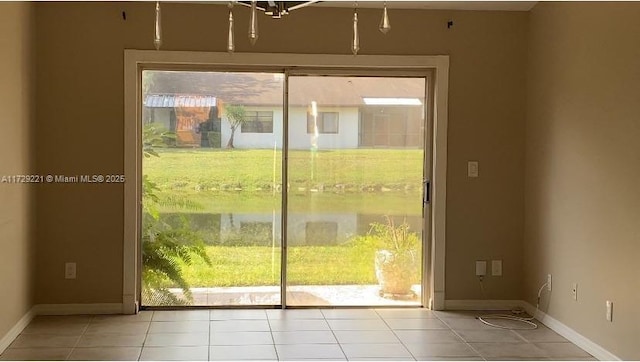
314,219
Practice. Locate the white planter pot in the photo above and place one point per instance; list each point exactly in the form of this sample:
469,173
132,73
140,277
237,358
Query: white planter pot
395,272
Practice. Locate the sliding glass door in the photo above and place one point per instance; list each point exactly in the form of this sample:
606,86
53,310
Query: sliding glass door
220,227
212,143
354,207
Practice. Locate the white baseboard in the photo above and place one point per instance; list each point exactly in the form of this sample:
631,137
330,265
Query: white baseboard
438,302
576,338
482,304
562,329
13,333
70,309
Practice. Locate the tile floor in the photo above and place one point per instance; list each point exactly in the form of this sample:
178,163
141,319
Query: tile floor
296,334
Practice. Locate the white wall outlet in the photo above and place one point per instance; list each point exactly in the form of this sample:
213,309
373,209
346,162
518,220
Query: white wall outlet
609,310
481,268
69,270
549,282
472,169
574,291
496,268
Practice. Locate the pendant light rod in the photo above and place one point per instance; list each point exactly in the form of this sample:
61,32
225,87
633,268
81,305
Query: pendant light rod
253,23
157,37
231,47
355,44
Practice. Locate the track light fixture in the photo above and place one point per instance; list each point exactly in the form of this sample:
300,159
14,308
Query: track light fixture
275,9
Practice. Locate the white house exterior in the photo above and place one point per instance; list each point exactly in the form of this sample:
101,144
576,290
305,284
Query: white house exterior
346,132
352,112
299,138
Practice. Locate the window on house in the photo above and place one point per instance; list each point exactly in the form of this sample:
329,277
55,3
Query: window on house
258,122
327,122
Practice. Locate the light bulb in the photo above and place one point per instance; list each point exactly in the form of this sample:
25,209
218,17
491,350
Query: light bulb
385,25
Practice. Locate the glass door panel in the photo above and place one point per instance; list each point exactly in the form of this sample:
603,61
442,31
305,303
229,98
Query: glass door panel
212,180
354,204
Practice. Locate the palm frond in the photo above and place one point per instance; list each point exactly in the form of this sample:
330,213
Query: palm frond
165,248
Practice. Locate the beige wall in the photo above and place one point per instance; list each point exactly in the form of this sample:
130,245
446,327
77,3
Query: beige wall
583,167
80,127
16,158
581,151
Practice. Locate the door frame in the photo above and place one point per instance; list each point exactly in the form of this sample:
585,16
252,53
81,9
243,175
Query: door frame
436,138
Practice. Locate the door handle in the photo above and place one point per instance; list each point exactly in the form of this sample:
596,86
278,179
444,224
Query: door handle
426,192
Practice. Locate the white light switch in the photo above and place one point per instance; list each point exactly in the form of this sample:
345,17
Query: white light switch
496,268
70,270
472,169
481,268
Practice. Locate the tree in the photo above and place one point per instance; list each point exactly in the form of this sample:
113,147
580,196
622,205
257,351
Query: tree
237,116
165,247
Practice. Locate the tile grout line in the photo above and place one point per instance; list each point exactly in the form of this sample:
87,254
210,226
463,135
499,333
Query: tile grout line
75,345
271,332
513,331
519,336
464,340
209,334
395,334
144,342
334,336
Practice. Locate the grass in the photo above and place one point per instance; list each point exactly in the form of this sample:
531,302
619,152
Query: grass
195,170
260,266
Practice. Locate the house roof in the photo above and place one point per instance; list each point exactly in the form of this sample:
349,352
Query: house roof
175,100
267,89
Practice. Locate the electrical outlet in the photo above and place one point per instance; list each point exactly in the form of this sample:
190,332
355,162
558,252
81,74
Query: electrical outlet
472,169
574,291
496,268
609,310
481,268
70,270
549,282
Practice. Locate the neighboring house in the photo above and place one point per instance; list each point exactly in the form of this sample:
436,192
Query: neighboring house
345,118
182,114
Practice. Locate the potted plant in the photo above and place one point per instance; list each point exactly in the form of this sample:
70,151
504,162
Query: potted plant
397,261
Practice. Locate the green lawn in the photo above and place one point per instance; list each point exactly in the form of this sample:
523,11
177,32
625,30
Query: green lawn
308,265
194,170
252,265
369,182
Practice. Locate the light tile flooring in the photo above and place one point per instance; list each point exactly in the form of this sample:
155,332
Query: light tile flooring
296,334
